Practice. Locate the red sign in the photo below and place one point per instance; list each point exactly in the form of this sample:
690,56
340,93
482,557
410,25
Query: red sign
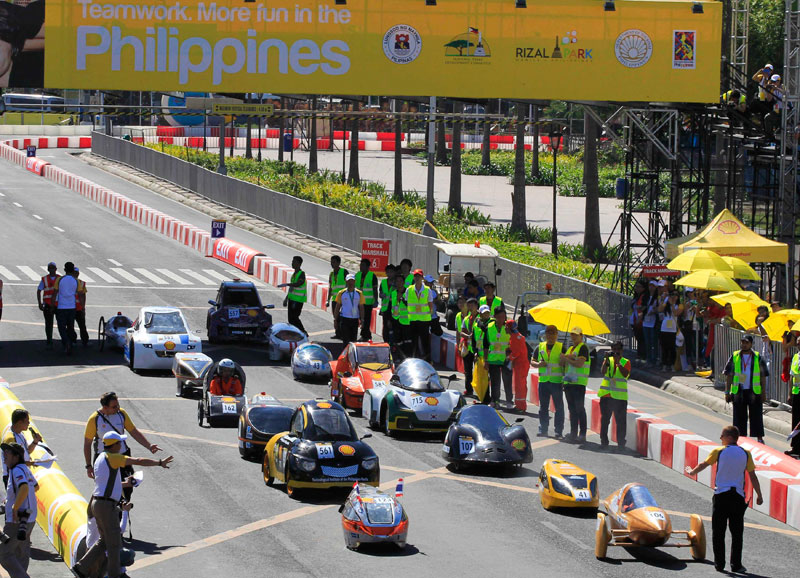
766,458
377,251
659,271
236,254
35,165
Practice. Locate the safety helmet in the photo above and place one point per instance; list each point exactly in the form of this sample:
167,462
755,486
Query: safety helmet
227,364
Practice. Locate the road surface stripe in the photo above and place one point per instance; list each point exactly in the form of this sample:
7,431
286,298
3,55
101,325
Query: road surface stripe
17,204
203,280
217,275
59,229
125,275
103,275
8,274
85,244
174,277
29,272
115,262
154,278
63,375
37,217
236,273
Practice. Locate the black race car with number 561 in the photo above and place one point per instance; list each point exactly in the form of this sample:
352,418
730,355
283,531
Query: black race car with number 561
321,450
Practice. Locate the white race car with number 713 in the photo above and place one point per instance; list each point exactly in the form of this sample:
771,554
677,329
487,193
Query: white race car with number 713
158,333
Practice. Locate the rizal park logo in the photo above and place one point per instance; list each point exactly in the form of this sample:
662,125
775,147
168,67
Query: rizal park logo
565,48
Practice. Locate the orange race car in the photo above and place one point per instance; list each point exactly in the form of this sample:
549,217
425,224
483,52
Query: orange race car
360,365
632,518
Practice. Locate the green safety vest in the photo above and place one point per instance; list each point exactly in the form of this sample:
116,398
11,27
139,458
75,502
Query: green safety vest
583,371
298,293
552,372
496,302
399,308
616,385
460,318
796,374
498,343
477,337
384,290
409,280
740,376
336,282
419,309
369,294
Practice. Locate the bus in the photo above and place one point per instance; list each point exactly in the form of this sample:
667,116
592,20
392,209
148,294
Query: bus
32,103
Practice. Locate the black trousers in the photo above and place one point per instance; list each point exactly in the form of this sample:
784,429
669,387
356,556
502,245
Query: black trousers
548,391
66,326
795,421
728,510
574,394
419,333
49,313
80,319
366,334
619,409
746,402
469,366
387,326
293,311
496,374
348,328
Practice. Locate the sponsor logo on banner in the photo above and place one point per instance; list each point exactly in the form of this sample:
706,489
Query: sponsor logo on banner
236,254
468,48
728,227
566,49
633,48
402,44
684,49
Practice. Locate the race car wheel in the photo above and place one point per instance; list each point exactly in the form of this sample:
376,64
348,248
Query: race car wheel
101,333
268,479
601,537
131,363
697,537
200,413
385,421
340,397
181,388
293,493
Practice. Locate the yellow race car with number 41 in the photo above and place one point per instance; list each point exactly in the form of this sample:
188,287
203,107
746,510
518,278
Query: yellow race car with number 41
565,485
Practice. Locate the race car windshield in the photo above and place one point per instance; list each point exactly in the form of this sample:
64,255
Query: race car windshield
374,355
380,513
314,353
271,419
418,375
482,417
638,497
246,297
164,323
331,425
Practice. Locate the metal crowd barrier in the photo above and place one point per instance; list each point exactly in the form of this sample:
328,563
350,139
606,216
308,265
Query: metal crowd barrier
727,340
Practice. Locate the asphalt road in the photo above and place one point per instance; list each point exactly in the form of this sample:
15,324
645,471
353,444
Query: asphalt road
211,513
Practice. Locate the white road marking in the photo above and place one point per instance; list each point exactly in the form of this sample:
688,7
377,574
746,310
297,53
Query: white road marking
217,275
125,275
17,204
85,277
152,288
2,195
103,275
29,272
174,277
59,229
8,274
85,244
37,217
154,278
565,535
117,263
243,275
203,280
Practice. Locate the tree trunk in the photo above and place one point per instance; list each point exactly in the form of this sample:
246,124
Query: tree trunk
354,178
592,241
454,202
312,149
486,148
535,147
398,161
518,209
281,128
441,143
248,147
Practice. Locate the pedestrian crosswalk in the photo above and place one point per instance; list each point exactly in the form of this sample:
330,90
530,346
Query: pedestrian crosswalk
131,276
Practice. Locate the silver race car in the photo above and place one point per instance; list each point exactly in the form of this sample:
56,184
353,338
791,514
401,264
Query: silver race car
190,371
371,515
111,332
283,339
311,361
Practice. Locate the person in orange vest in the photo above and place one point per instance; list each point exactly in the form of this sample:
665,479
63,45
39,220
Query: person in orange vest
225,382
520,363
80,308
44,295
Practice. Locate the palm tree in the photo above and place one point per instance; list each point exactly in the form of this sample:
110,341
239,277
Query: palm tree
441,143
398,159
354,178
535,147
592,242
312,151
454,202
486,149
281,128
518,209
248,147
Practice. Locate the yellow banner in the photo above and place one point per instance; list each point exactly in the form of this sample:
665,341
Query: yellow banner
645,50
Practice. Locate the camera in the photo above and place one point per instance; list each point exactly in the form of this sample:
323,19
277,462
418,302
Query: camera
4,538
22,532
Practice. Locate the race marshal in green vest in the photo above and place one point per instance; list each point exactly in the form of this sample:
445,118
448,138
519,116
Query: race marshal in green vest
746,383
296,295
367,283
336,282
613,394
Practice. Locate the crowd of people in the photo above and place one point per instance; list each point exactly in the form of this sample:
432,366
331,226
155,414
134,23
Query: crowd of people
765,107
63,298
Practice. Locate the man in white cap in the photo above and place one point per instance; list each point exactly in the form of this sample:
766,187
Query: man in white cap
348,310
762,78
103,504
20,514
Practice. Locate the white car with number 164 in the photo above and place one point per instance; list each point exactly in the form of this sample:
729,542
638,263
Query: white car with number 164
158,333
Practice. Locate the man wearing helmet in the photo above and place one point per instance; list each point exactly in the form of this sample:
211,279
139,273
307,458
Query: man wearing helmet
225,382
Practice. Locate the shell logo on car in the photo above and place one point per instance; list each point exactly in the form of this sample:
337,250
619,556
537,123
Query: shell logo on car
518,444
432,401
169,345
252,313
346,450
324,405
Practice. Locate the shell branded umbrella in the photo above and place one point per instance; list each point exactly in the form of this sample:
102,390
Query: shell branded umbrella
567,313
739,297
699,259
776,326
741,269
790,314
708,279
744,313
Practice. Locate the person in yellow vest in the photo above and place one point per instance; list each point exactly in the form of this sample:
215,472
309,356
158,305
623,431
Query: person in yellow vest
746,388
576,377
794,401
385,293
613,394
480,374
336,282
367,283
400,323
296,295
496,341
465,319
348,310
44,295
547,359
405,272
80,308
420,304
493,301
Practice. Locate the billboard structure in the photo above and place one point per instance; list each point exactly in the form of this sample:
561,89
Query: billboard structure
645,50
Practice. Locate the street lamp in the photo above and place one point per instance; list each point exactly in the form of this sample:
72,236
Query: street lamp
555,142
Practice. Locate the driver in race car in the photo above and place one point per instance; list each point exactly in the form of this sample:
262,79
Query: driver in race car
225,382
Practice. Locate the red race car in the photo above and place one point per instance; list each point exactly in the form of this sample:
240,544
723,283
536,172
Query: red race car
360,366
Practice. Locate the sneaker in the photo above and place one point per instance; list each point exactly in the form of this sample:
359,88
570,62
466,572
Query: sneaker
719,567
77,573
541,434
738,569
558,436
761,440
582,439
570,438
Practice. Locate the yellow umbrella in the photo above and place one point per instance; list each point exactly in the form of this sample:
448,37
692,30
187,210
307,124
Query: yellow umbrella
566,313
741,270
739,297
699,259
775,327
790,314
744,313
708,279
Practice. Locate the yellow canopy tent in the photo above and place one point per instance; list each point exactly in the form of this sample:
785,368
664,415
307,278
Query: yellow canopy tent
727,235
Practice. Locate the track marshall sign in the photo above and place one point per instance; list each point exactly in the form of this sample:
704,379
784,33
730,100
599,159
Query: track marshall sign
377,251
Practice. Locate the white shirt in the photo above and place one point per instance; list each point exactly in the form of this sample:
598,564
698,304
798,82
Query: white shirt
349,302
20,439
102,472
67,288
20,474
732,463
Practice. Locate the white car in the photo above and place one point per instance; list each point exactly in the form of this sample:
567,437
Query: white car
158,333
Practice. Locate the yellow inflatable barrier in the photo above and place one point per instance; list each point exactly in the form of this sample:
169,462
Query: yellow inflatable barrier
62,509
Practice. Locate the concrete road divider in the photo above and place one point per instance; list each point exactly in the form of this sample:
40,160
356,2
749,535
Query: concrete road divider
35,165
236,254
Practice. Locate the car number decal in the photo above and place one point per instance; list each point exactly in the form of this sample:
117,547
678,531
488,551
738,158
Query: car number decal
657,516
583,495
228,408
378,383
383,500
446,449
324,451
466,445
417,400
233,314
